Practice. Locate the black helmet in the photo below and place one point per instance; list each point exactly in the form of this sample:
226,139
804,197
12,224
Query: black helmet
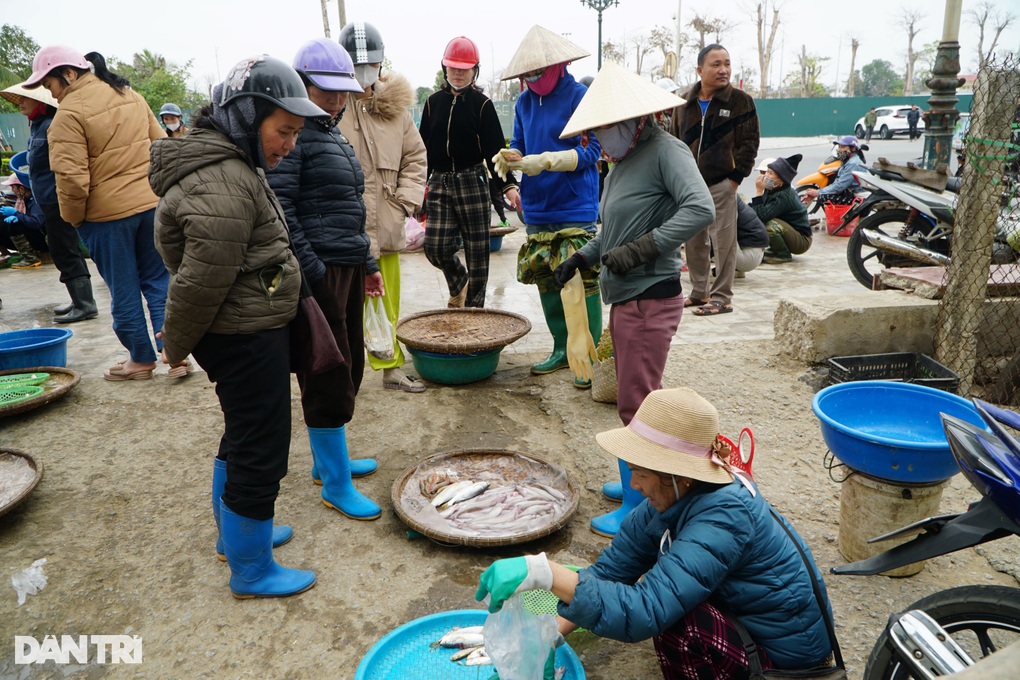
270,79
363,42
587,81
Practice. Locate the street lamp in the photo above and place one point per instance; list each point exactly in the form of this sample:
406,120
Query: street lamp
599,6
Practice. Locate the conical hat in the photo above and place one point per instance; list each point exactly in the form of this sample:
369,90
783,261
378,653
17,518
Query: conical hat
539,49
14,93
617,94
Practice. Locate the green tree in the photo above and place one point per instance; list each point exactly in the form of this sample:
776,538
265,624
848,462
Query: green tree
160,82
440,80
17,49
421,94
880,80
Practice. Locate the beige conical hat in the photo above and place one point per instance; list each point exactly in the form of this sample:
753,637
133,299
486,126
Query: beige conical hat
540,48
14,93
617,94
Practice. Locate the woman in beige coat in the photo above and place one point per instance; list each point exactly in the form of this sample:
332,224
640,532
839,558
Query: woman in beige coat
392,155
99,151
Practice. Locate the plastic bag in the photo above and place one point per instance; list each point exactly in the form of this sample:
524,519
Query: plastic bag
414,235
519,642
378,330
29,581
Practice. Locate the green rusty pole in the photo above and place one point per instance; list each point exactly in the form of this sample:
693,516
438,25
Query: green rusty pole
940,119
600,6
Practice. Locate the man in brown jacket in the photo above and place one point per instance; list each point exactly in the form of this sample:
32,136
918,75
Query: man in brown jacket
720,125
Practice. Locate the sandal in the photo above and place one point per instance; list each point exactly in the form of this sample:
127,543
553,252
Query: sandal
118,374
181,370
695,302
713,308
406,383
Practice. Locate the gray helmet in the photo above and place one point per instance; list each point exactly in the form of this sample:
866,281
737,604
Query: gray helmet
363,42
270,79
170,109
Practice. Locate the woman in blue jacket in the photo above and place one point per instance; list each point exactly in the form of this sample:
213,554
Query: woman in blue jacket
704,546
320,186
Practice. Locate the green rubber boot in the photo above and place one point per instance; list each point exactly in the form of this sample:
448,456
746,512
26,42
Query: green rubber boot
594,305
552,307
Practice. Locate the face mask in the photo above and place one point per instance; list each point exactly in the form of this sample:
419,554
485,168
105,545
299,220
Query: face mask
844,155
545,82
769,183
618,140
366,75
173,127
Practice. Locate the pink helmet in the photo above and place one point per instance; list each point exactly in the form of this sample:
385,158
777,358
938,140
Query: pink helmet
51,57
13,180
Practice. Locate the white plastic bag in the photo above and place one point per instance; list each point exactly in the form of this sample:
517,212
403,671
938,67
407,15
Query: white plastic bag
518,641
414,235
378,330
29,581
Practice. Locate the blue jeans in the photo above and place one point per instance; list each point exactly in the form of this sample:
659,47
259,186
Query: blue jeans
125,254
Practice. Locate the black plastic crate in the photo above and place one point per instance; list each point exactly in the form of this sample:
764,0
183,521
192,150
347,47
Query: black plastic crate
919,369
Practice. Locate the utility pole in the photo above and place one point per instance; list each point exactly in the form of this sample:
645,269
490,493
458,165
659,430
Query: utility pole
325,18
940,119
678,42
341,9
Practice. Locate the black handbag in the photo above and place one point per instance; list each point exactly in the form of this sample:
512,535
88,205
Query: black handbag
313,349
837,672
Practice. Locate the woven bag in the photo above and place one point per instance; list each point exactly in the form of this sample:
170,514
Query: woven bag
603,384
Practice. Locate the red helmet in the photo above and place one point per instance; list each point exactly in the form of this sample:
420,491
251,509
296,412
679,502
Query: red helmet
461,53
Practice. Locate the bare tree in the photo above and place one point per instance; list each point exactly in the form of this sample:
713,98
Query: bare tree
765,44
325,18
341,10
855,43
641,47
981,15
910,20
661,37
810,69
613,52
714,26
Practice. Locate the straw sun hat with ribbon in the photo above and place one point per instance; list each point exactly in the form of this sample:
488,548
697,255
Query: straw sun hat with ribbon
539,49
15,93
673,432
616,94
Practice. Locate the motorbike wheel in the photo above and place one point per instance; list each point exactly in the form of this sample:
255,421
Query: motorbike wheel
981,619
864,259
812,206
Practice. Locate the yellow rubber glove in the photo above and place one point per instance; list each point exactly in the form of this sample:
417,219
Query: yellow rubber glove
556,161
580,344
502,161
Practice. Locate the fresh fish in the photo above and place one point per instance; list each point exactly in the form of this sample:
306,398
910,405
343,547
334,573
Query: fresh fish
459,640
481,660
467,651
449,492
561,672
470,491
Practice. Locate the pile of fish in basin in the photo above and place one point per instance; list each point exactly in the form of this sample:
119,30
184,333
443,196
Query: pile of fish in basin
485,497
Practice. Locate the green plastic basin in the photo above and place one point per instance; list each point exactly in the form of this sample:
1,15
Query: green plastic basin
455,369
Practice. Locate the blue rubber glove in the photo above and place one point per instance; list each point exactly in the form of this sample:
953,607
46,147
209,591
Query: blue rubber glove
13,219
7,211
505,578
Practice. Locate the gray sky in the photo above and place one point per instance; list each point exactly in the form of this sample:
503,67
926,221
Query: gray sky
215,34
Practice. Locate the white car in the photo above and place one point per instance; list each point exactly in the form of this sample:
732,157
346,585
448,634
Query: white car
892,120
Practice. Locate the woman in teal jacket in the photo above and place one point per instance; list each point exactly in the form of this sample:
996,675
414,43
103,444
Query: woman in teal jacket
703,547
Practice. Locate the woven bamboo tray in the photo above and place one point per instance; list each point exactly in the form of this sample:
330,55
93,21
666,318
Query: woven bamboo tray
461,331
61,381
501,231
497,466
9,456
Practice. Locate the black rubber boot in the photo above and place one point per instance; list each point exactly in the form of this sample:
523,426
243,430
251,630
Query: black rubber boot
80,289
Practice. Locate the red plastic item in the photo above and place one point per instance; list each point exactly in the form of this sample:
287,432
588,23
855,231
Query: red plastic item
834,218
736,459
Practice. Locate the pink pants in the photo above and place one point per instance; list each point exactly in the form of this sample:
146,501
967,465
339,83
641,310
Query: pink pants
641,332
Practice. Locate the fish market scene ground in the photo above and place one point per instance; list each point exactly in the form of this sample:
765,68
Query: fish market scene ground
123,519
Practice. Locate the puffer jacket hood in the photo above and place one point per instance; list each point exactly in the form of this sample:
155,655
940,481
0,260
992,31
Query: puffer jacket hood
174,158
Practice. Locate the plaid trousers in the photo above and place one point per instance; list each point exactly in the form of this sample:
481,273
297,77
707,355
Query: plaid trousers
704,645
458,208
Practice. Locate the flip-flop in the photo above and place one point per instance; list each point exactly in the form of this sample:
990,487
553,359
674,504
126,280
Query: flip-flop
695,302
181,371
406,384
118,374
712,309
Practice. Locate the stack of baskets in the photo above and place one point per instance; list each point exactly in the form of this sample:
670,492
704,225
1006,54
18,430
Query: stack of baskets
603,384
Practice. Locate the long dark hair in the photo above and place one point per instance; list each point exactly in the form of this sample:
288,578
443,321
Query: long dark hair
117,82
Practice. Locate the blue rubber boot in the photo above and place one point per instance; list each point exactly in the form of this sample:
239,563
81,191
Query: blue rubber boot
329,452
609,524
281,534
360,467
248,545
613,491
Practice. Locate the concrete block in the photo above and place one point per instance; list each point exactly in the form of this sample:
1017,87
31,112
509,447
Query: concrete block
815,328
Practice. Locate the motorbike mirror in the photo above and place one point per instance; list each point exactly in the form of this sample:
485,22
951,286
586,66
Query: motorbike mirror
995,418
865,147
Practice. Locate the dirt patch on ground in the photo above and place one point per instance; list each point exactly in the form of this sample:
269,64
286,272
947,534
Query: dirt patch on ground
123,518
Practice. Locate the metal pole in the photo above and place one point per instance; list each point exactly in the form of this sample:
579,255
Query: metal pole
600,40
940,119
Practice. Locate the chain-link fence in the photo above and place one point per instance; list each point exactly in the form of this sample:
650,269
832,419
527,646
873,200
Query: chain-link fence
978,330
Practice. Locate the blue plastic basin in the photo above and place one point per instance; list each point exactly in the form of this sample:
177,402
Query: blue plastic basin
18,161
455,369
34,347
891,430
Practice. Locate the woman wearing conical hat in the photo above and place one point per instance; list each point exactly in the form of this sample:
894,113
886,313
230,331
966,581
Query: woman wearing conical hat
653,201
702,552
559,192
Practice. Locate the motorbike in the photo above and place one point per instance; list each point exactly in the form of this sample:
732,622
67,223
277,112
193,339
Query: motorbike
823,177
903,224
950,630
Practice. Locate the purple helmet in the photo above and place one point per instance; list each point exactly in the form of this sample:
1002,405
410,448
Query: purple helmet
327,66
